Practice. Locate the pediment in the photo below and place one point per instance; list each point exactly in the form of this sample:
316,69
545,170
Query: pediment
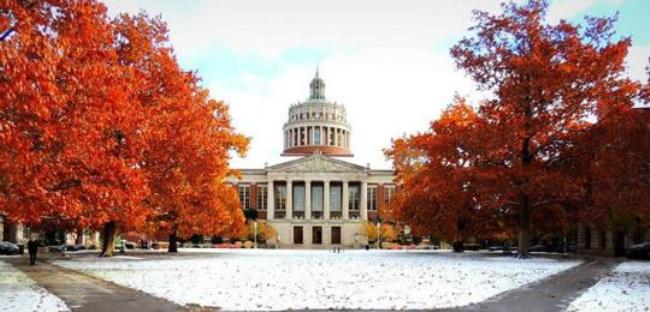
317,163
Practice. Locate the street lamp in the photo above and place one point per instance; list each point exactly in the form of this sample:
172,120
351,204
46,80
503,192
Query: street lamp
255,231
378,235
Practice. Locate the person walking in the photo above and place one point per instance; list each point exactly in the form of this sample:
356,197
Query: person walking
32,247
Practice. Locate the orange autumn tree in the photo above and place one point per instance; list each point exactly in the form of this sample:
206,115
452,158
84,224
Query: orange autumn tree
616,167
545,80
439,193
189,139
68,124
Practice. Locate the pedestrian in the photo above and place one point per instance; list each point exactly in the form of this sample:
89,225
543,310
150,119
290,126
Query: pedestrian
32,247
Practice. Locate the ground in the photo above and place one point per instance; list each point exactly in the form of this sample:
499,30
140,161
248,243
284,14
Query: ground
242,279
626,288
20,293
271,279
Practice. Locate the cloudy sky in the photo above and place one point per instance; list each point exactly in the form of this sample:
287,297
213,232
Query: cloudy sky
387,61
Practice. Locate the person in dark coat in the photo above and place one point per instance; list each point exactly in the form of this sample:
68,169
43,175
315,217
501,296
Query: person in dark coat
32,247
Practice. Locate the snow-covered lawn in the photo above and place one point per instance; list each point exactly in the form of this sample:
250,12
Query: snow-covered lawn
282,279
626,288
20,293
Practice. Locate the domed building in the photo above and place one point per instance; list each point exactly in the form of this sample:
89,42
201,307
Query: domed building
317,200
317,125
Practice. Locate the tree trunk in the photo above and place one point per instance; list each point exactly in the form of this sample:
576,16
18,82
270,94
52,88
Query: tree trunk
80,237
618,238
458,246
524,227
108,235
173,242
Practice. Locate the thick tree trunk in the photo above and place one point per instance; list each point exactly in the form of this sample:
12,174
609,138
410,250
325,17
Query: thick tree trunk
173,242
524,227
108,235
458,246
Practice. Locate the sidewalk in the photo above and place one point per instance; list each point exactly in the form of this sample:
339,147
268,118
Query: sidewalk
554,293
85,293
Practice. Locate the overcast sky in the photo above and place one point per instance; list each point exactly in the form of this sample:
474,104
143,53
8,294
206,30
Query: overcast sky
387,61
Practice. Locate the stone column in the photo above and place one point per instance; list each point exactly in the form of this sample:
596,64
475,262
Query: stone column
313,135
307,199
289,211
364,200
270,201
326,200
321,136
346,201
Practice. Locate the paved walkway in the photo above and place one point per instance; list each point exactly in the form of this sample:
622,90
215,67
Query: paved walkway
554,293
85,293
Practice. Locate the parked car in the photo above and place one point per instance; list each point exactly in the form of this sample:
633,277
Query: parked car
129,245
639,251
471,246
74,247
495,248
7,248
538,248
57,248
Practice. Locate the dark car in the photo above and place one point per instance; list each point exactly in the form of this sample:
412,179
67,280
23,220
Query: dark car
7,248
538,248
57,248
639,251
495,248
74,247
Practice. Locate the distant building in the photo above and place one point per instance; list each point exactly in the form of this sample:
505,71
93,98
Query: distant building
317,200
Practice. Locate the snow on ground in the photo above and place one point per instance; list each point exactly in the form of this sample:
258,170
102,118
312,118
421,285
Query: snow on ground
626,288
283,279
20,293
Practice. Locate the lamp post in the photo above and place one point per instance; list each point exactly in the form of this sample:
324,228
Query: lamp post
378,235
255,235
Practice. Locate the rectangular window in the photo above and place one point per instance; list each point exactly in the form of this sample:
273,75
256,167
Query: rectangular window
354,197
317,198
317,136
335,198
262,197
372,198
280,197
298,197
245,196
389,192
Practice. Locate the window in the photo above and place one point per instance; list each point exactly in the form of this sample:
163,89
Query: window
372,198
389,192
280,197
335,198
245,196
317,198
317,136
262,197
298,197
354,197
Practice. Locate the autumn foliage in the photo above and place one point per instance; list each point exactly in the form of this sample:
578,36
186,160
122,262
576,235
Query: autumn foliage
517,161
100,128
